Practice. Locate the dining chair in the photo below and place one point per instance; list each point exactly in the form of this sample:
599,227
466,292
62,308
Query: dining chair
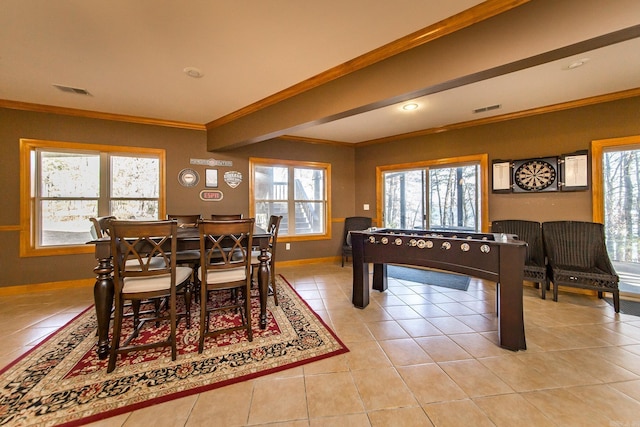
100,226
351,224
225,217
272,229
188,257
100,229
225,263
144,267
185,220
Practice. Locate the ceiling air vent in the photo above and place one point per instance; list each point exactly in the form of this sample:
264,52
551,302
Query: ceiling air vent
75,90
485,109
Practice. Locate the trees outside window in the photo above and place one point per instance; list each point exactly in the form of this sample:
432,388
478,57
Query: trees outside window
65,184
299,191
616,204
621,174
439,195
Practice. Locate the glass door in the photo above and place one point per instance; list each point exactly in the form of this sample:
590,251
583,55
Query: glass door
454,198
445,198
621,185
404,199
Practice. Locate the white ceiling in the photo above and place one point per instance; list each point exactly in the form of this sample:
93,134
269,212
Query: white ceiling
606,70
130,56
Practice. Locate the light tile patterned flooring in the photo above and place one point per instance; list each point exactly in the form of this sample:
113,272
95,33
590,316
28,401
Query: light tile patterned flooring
419,356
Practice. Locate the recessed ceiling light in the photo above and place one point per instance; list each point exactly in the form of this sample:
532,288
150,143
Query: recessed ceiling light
578,63
193,72
410,107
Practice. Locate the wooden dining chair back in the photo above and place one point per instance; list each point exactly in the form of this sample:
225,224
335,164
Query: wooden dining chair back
185,220
188,257
225,217
577,257
535,264
352,223
145,268
225,263
272,228
100,226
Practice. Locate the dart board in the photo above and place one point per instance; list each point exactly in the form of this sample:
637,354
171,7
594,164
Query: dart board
533,175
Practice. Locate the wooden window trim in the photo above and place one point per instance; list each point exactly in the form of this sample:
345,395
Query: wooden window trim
481,159
257,161
27,222
598,147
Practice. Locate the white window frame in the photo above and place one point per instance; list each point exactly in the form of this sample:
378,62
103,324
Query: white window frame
30,217
481,160
291,165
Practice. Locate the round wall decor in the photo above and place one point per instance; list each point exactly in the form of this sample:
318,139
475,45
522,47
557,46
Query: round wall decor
536,174
188,177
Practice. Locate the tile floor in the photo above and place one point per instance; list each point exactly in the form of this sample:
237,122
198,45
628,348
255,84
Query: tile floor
419,356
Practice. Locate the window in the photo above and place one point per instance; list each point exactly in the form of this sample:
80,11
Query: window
616,204
65,184
296,190
446,194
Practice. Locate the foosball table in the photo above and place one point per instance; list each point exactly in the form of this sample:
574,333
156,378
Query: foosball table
495,257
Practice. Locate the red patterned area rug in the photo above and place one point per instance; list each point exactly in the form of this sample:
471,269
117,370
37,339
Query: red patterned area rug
62,381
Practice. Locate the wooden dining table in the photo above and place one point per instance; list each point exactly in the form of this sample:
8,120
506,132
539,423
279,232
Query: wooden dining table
187,238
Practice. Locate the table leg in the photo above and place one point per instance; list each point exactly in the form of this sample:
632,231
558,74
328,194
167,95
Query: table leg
263,285
103,298
510,305
360,295
380,281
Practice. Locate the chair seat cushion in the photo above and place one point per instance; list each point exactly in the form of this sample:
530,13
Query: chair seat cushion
255,255
224,276
155,283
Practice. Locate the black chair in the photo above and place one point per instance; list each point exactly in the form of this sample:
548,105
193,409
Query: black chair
577,257
143,268
272,229
535,266
225,266
350,224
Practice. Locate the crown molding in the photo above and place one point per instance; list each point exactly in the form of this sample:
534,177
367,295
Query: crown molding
39,108
484,10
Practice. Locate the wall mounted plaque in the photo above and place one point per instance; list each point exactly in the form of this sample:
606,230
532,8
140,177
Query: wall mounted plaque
211,195
233,178
211,178
188,177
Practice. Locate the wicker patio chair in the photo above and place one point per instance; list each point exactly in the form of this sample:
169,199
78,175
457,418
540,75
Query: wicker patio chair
577,257
535,266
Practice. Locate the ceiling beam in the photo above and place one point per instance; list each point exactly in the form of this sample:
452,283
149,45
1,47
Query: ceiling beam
513,37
